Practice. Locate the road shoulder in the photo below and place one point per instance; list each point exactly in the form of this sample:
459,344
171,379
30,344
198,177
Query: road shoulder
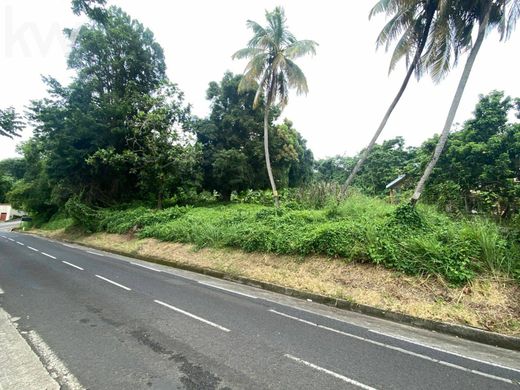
20,367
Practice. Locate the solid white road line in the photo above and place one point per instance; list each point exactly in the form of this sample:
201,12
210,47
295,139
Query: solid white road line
334,374
72,265
33,249
402,350
228,290
114,283
20,243
53,363
46,254
94,253
191,315
145,266
68,246
411,341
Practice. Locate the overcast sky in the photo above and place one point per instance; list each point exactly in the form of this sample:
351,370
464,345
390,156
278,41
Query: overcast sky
350,88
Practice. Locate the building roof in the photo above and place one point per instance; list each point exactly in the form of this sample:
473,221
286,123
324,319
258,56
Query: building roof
395,182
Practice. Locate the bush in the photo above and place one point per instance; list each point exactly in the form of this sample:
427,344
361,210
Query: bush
360,228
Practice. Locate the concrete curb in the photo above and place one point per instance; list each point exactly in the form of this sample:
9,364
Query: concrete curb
465,332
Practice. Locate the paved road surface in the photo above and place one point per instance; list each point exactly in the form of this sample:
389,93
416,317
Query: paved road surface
100,321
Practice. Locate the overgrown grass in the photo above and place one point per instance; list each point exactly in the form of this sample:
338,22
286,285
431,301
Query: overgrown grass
361,229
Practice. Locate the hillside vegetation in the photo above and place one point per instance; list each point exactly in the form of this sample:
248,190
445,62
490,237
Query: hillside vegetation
418,241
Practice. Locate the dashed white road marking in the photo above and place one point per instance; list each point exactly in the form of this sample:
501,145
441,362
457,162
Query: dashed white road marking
411,341
46,254
334,374
33,249
1,291
10,239
72,265
191,315
20,243
95,253
402,350
145,266
114,283
228,290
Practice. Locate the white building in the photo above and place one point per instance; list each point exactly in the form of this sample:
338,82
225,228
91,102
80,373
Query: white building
7,212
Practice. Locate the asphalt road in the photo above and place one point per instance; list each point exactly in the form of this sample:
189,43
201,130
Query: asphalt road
107,322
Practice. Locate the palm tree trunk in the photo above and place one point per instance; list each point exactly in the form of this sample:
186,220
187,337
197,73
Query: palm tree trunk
454,106
267,158
382,125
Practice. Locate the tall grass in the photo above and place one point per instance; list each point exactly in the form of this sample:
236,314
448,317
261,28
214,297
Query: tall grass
359,228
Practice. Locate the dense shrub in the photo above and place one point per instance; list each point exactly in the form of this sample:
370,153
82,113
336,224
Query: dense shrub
413,241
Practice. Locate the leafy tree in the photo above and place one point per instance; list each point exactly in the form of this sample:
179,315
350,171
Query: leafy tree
14,167
94,9
118,65
481,162
33,193
487,14
272,71
10,123
231,140
156,150
383,164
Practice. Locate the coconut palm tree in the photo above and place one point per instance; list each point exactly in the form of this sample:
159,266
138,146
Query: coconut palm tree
417,25
487,14
271,70
412,20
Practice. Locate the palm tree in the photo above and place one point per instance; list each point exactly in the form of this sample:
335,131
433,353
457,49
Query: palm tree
413,21
272,71
488,14
419,25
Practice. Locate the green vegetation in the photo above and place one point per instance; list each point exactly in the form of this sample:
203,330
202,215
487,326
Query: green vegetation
361,229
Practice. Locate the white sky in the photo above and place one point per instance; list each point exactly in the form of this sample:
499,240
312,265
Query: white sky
349,85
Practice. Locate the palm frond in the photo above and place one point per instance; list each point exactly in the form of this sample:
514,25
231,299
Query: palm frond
295,77
511,14
300,48
247,52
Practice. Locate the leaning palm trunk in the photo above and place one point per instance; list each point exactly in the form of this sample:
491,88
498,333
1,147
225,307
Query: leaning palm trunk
267,157
454,106
382,125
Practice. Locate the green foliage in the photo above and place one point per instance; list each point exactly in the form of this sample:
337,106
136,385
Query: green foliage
82,214
413,241
123,221
10,123
6,184
232,143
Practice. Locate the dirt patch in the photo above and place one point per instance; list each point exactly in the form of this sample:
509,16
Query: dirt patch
490,304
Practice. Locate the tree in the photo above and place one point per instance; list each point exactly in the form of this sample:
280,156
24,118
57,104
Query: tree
156,149
272,71
487,14
479,167
118,66
94,9
10,123
232,143
418,26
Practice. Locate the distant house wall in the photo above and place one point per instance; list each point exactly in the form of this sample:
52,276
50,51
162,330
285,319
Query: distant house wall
7,212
